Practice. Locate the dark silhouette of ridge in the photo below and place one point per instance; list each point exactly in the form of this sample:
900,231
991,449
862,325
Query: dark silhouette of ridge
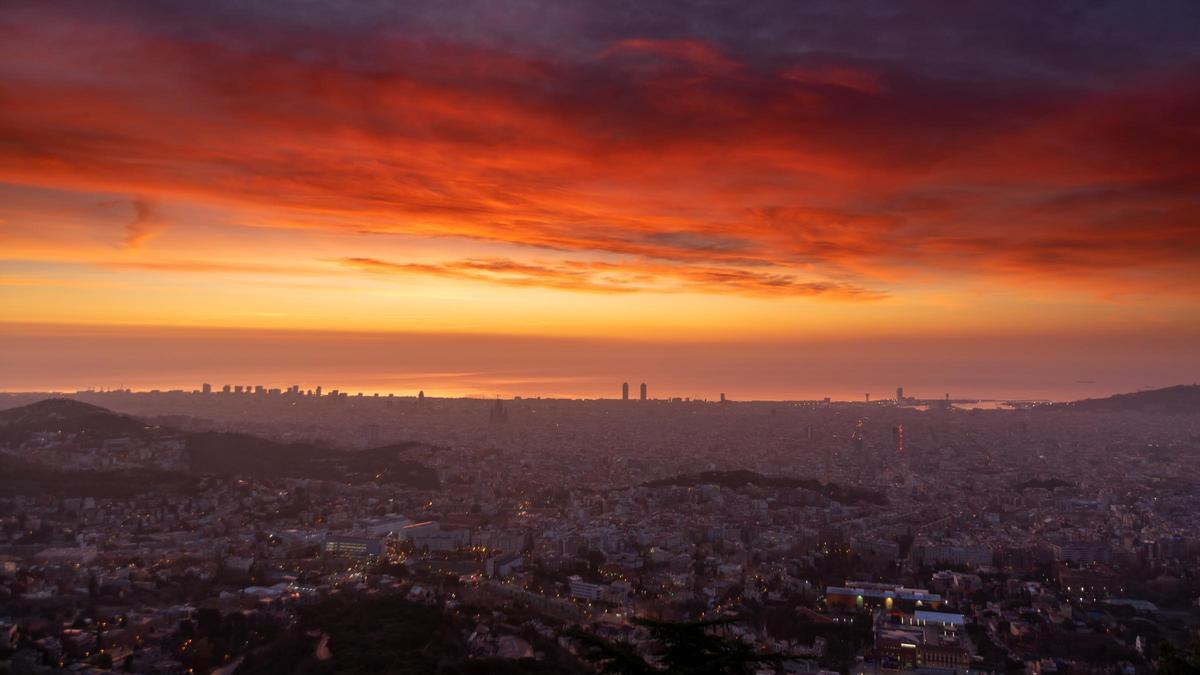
67,416
1182,398
209,452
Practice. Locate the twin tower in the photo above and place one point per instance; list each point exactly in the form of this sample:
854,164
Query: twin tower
625,391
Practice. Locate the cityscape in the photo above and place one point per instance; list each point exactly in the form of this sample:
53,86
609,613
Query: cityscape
600,337
239,528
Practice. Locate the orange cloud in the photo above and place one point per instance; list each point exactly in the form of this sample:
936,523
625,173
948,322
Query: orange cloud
146,224
696,167
614,278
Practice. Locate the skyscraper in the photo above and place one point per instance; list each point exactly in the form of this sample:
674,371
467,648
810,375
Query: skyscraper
899,394
643,391
206,388
498,413
624,391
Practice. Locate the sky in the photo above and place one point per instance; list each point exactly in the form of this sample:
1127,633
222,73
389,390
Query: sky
772,199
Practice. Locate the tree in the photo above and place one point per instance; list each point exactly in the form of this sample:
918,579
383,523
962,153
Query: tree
595,559
611,657
208,622
1176,661
685,648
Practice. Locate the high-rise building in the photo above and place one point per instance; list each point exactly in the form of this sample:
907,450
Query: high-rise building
317,391
722,397
498,413
643,391
225,389
899,394
206,388
624,391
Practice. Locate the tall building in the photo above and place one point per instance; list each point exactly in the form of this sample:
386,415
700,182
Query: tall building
624,391
498,413
722,397
225,389
317,391
643,391
899,394
206,388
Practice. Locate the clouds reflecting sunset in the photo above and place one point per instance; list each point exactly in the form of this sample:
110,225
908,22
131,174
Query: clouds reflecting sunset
600,171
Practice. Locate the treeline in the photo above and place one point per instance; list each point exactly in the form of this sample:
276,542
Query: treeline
384,635
843,494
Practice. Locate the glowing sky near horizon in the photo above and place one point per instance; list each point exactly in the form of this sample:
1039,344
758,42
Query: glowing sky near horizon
672,173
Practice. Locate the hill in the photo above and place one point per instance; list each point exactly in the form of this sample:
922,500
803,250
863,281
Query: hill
225,453
843,494
215,452
68,417
1180,399
387,464
25,478
85,428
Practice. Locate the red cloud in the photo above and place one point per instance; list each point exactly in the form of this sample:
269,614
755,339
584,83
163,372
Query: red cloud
696,53
815,171
836,76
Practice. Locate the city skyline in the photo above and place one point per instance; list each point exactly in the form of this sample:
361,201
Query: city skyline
50,358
